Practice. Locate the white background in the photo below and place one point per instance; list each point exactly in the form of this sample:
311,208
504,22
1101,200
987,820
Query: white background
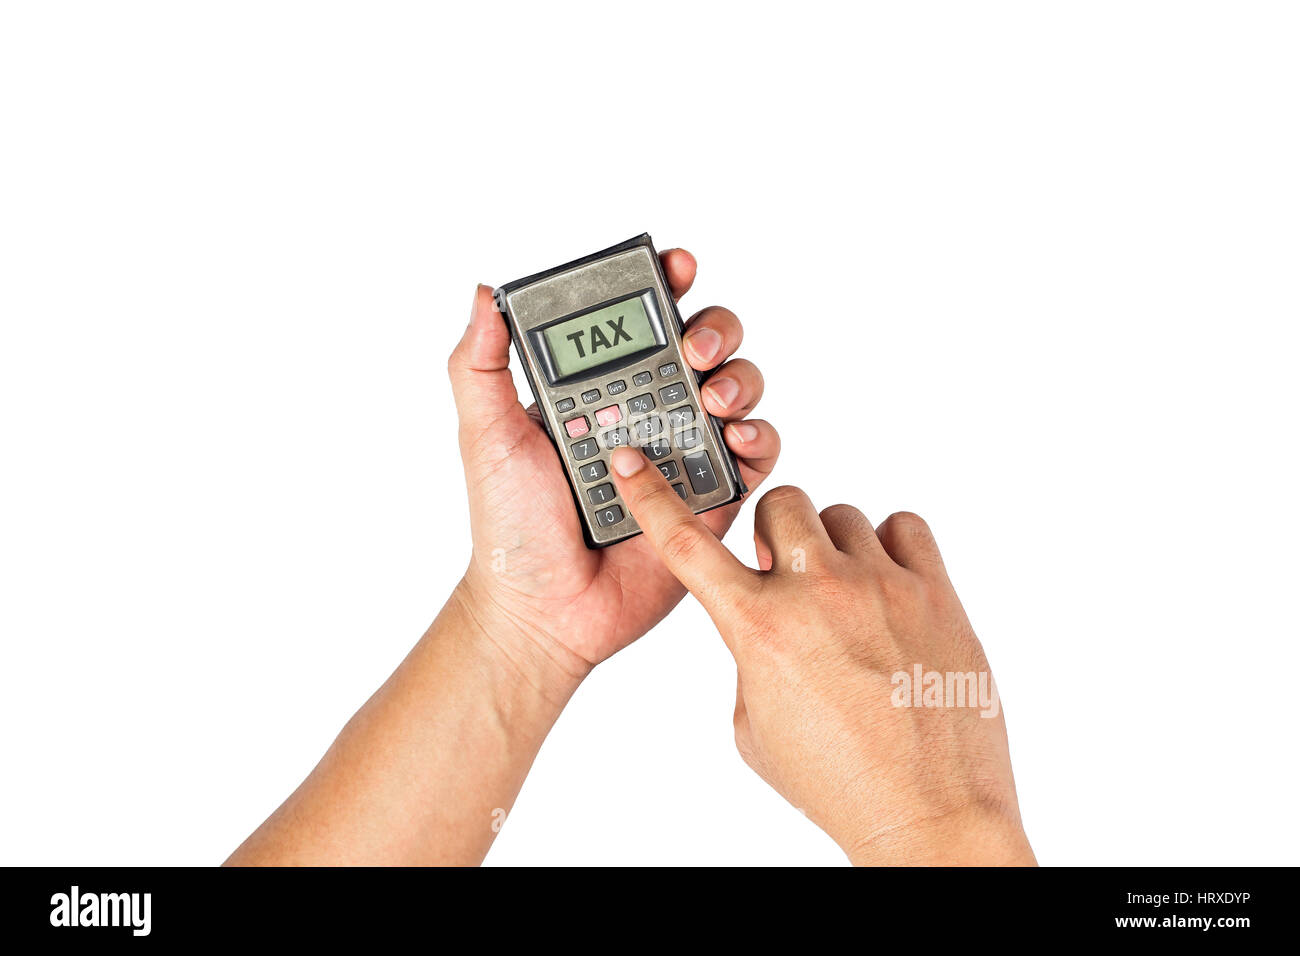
1028,269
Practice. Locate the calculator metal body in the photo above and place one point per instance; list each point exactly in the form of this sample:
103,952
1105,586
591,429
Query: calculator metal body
600,340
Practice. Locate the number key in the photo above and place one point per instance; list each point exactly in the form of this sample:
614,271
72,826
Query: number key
584,449
647,428
616,438
601,493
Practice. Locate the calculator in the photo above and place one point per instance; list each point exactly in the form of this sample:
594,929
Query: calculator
600,341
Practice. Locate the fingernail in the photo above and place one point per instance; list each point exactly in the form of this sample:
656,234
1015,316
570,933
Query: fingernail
743,432
723,391
704,345
627,461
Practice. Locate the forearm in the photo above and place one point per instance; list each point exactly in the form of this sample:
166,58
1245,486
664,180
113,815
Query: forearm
423,772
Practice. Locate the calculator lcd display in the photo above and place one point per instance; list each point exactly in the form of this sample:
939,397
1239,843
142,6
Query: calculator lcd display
601,336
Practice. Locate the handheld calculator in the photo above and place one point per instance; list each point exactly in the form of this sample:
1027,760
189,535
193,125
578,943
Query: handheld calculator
600,341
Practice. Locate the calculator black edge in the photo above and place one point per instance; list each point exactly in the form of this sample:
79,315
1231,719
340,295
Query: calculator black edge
500,293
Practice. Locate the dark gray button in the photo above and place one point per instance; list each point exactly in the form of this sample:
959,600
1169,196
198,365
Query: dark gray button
564,405
699,468
642,378
616,388
669,470
616,438
601,493
658,449
689,438
608,516
584,449
681,490
681,417
668,369
593,471
640,404
673,394
591,396
647,428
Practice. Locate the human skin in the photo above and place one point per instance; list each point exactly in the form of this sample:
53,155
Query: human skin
426,770
836,609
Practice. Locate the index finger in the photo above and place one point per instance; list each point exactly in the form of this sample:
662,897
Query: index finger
684,543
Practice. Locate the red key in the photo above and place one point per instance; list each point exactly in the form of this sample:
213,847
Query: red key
608,416
577,427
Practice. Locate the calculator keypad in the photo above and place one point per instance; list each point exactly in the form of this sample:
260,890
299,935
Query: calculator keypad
660,422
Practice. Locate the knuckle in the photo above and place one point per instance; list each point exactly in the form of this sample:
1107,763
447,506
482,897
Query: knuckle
680,543
780,496
909,523
843,513
646,494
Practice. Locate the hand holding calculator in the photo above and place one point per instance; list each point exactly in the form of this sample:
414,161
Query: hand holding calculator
583,331
533,565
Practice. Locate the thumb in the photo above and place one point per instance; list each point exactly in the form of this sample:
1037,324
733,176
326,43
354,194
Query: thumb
684,543
479,366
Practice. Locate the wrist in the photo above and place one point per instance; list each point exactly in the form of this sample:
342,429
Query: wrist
964,837
512,648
